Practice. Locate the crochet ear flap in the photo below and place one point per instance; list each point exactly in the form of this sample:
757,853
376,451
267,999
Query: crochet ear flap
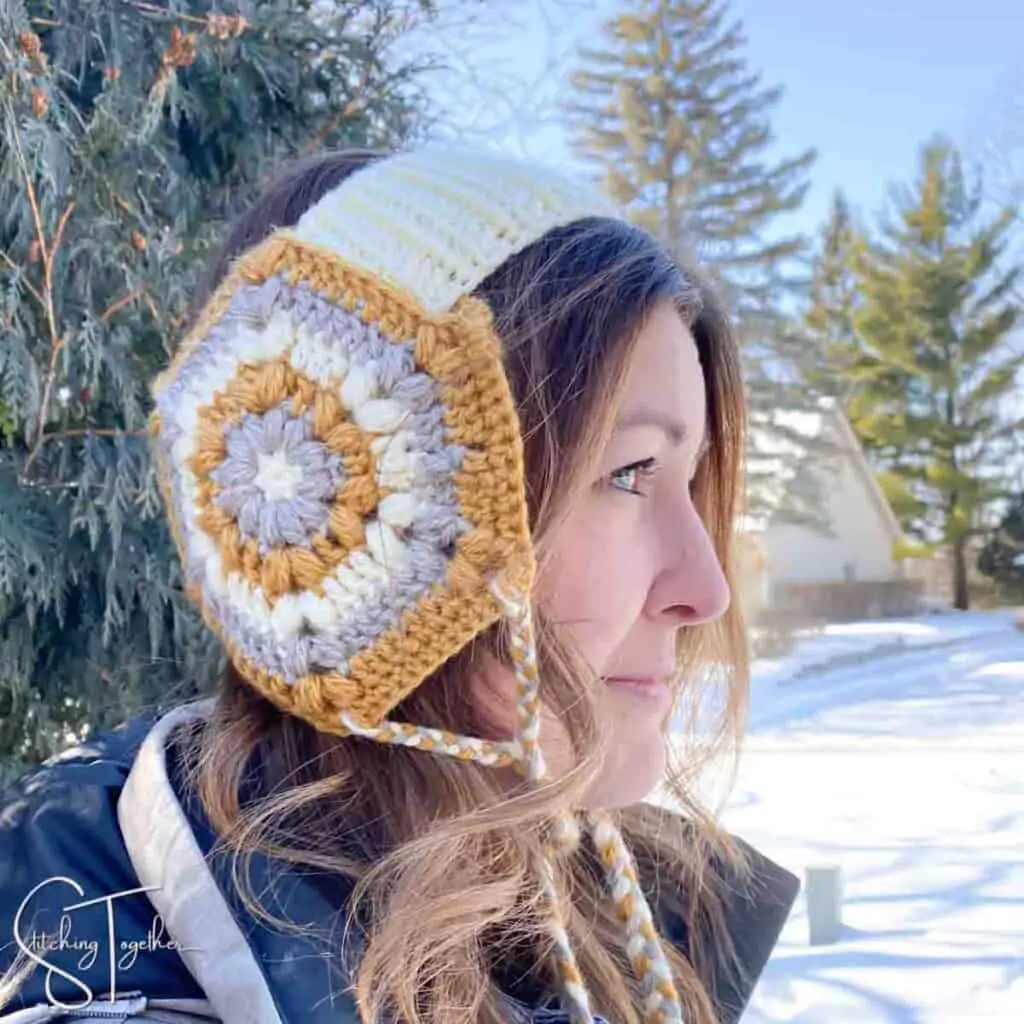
344,478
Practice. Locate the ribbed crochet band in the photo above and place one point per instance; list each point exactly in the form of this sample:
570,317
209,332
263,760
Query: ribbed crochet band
437,221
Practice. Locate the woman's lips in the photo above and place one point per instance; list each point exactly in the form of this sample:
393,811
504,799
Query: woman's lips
648,687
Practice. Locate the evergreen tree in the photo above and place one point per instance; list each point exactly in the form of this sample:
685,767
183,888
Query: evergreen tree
833,301
129,130
934,372
1002,557
668,112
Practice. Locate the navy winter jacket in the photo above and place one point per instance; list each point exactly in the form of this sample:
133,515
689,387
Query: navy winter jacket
101,850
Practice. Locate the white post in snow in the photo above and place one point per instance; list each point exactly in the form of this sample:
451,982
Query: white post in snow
823,891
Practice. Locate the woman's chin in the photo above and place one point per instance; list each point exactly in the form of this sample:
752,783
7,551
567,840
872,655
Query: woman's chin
632,772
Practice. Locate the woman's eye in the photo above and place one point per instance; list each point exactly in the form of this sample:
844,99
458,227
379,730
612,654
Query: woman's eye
631,478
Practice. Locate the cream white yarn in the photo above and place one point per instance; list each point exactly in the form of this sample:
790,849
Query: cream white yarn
436,221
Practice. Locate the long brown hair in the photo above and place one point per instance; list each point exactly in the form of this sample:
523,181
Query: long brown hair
443,842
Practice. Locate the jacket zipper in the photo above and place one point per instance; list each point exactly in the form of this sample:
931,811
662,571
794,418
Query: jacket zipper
121,1009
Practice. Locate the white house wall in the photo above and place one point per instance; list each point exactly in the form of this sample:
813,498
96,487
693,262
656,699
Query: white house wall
860,549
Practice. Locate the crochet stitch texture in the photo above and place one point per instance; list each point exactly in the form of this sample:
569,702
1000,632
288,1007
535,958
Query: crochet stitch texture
340,456
344,478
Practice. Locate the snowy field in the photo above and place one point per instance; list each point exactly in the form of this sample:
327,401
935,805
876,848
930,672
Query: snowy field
896,751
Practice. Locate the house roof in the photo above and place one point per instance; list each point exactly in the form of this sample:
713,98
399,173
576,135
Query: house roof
774,459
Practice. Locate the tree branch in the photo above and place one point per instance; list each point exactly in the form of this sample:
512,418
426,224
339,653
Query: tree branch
48,253
60,435
346,111
116,307
33,291
148,8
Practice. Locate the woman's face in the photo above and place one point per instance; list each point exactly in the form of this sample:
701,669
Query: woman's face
633,563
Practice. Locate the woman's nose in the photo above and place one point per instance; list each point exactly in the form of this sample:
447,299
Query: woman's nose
692,587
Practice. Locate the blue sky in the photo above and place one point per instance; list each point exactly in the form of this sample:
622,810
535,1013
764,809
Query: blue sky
865,83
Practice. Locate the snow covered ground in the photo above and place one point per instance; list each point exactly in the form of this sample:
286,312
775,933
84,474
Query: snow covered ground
904,765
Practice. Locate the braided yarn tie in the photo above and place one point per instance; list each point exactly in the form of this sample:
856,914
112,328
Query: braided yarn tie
565,831
438,741
643,946
524,663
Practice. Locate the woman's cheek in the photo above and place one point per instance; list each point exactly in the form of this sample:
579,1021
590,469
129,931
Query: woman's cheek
595,588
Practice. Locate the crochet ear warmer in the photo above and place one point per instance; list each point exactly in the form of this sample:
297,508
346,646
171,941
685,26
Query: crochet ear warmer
341,460
340,451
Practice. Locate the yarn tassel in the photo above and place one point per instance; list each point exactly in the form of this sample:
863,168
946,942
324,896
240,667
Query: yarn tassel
643,945
565,832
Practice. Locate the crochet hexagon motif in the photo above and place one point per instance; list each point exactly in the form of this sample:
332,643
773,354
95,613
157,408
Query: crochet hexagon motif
344,478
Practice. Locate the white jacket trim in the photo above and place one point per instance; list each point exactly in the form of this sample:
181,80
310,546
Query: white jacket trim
165,854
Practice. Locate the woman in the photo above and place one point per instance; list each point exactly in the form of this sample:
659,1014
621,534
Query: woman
451,455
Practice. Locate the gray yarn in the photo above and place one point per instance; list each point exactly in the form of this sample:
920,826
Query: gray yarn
273,522
380,611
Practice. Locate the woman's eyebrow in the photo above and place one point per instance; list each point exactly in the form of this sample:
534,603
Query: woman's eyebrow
676,430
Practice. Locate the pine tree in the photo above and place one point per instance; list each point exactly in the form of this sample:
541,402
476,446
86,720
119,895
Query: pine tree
931,383
669,114
833,301
129,130
1002,557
